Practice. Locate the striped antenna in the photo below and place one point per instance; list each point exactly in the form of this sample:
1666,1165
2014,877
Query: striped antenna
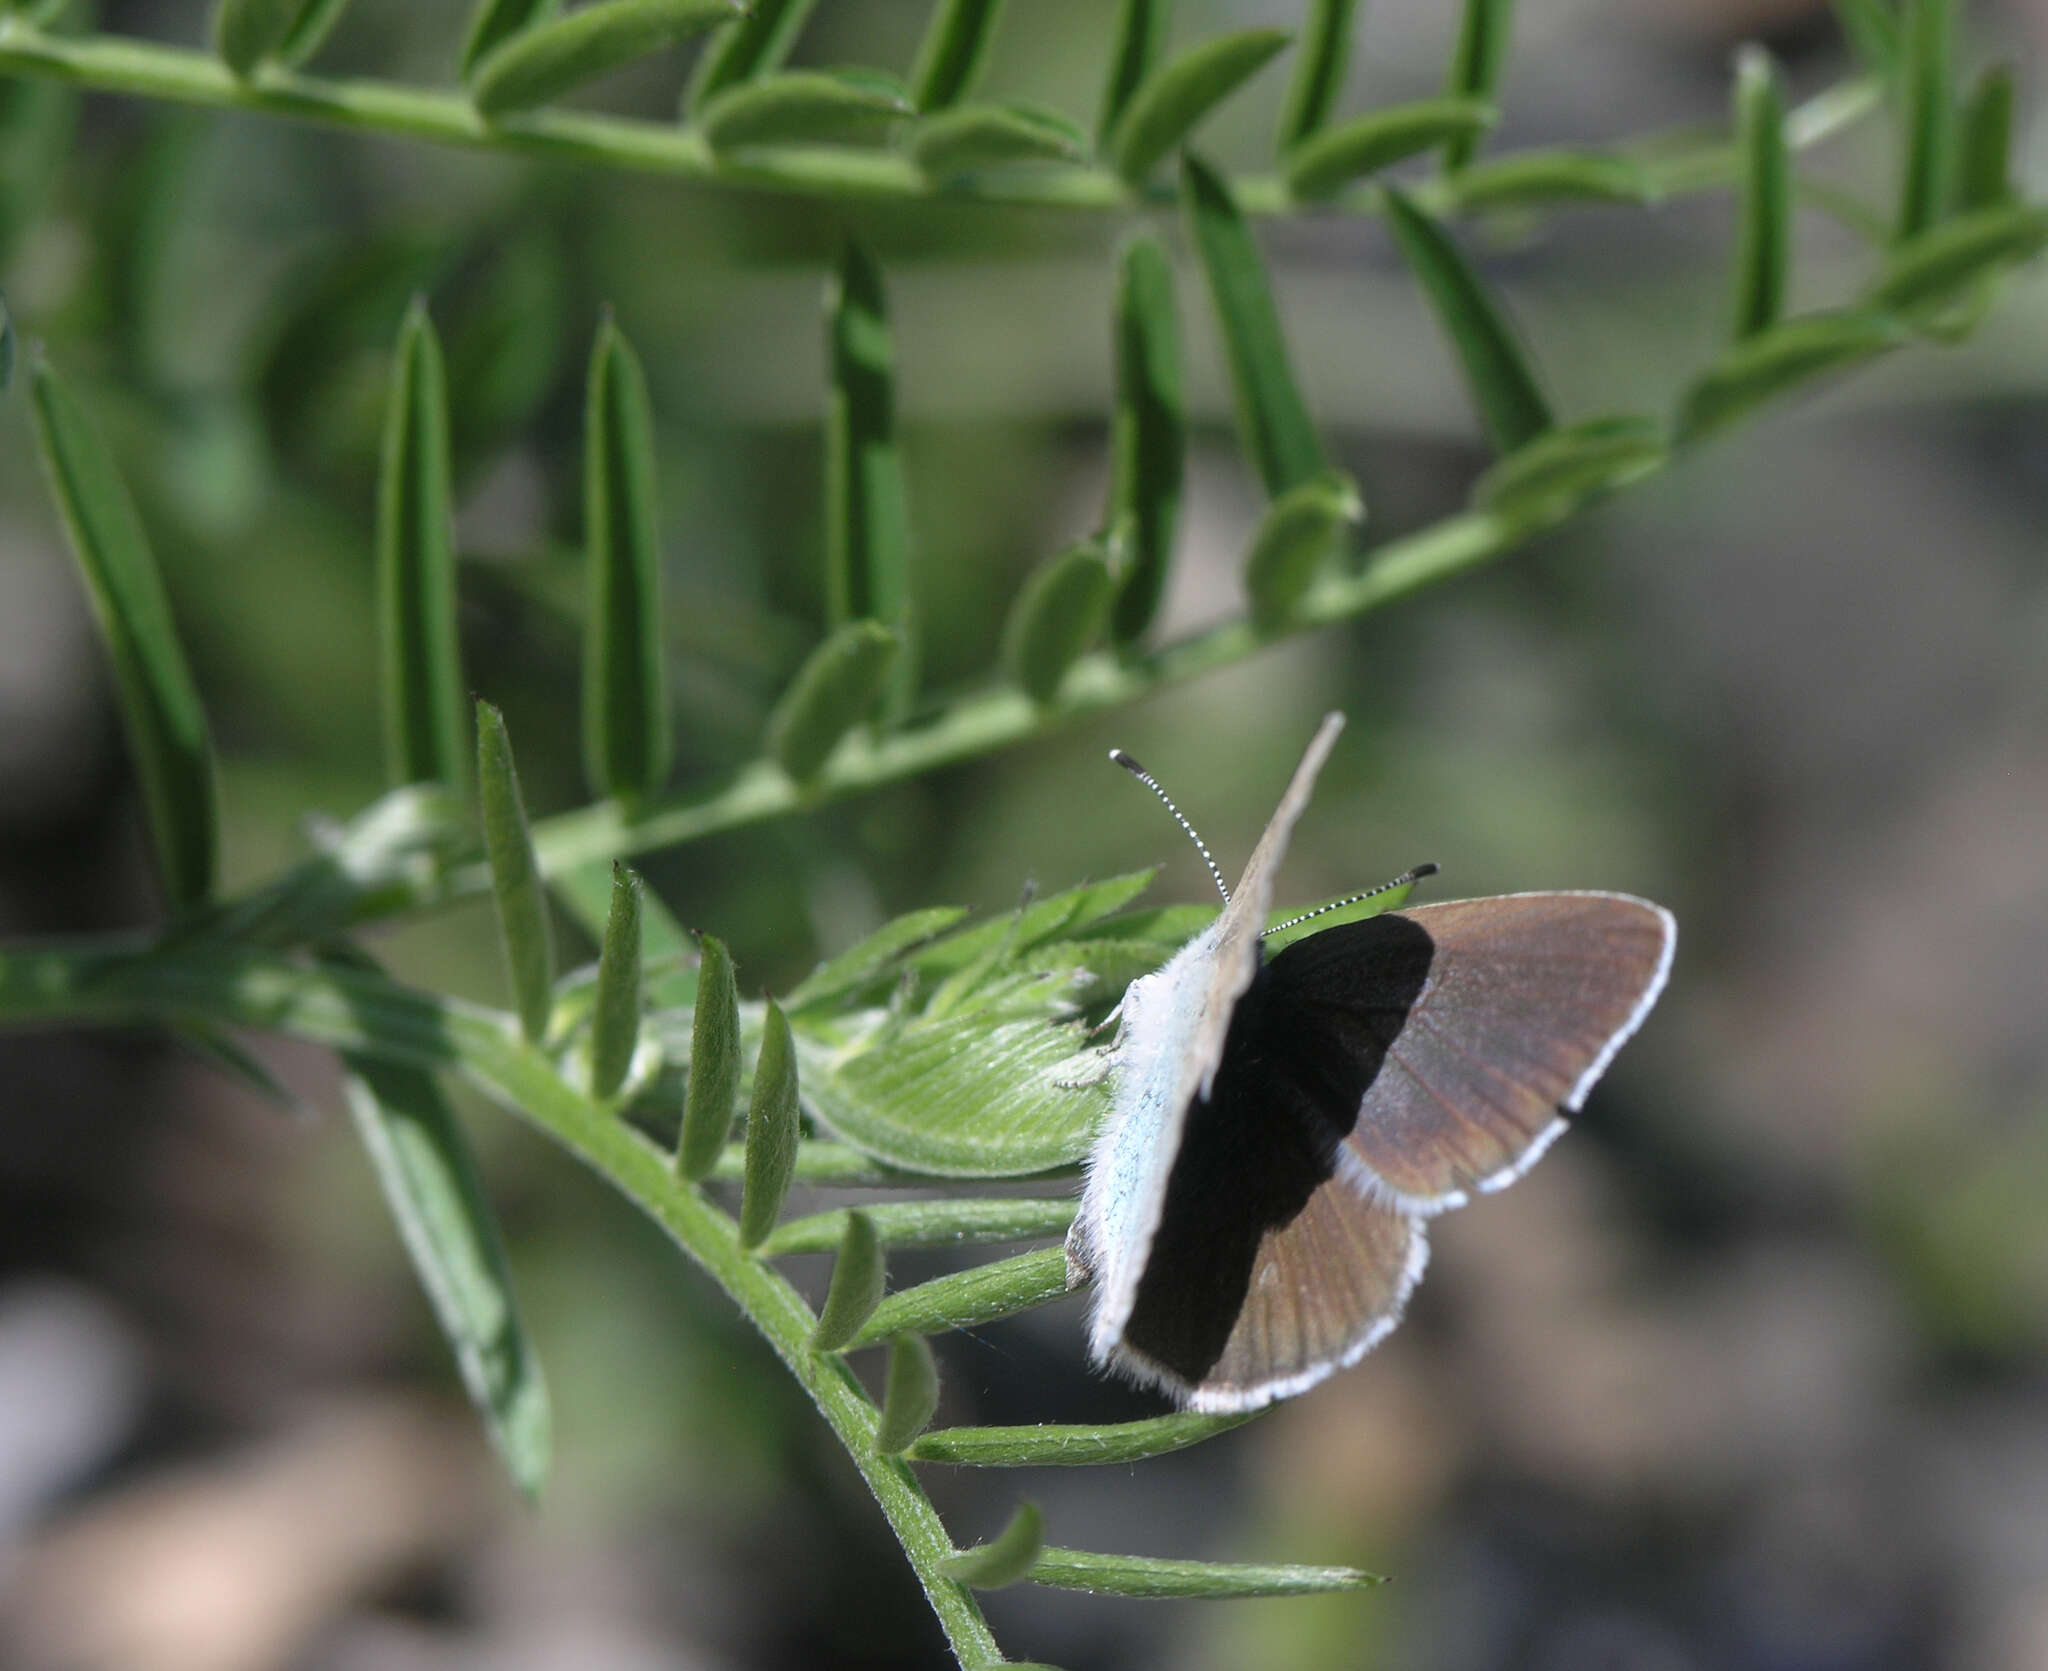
1150,782
1406,879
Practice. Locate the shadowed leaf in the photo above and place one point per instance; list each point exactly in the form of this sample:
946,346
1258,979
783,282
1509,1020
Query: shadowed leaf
523,927
715,1063
859,1276
1319,74
1484,34
1148,436
771,1132
953,53
838,683
910,1393
1763,258
615,1021
1056,618
1173,99
748,46
1141,31
1299,533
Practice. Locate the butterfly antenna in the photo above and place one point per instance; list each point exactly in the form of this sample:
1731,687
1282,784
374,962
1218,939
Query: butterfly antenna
1407,879
1152,783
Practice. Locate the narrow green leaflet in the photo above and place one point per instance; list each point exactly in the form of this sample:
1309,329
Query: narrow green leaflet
910,1395
771,1132
1056,618
840,681
715,1063
247,31
585,892
953,53
1070,913
1871,28
752,45
1141,31
1563,469
311,26
1503,383
867,515
1939,266
432,1187
615,1019
1481,54
1005,1559
516,890
221,1051
873,959
1044,1445
166,727
1148,435
969,1298
1300,532
1319,73
974,137
551,56
1927,70
1173,99
494,22
1786,357
1535,179
996,1218
804,107
860,1275
626,742
1984,169
1763,256
416,616
1272,420
983,1092
1323,165
1147,1579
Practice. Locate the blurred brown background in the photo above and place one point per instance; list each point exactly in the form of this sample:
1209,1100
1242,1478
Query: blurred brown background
1749,1375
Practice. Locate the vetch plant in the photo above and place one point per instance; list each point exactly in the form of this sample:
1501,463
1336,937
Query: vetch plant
936,1051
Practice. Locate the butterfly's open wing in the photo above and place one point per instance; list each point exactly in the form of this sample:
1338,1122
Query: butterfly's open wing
1461,1033
1319,1292
1172,1041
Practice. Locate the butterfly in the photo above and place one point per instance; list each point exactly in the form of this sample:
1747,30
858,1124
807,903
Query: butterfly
1256,1203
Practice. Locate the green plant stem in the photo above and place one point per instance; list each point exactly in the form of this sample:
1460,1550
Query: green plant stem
359,1011
146,69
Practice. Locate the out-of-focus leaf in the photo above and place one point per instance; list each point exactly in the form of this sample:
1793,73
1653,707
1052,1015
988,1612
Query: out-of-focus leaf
515,877
1530,179
6,345
1484,34
247,31
1006,1559
222,1051
1148,436
1566,467
553,55
1984,170
615,1020
166,726
910,1393
432,1187
1045,1446
1872,30
969,1298
1272,420
1503,384
1298,534
309,29
867,516
422,656
771,1132
1172,99
973,137
804,107
979,1093
37,122
860,1276
1927,74
1141,31
1056,618
715,1063
494,22
872,959
953,53
1332,159
1319,76
748,46
626,742
1941,265
1763,258
1781,359
505,342
838,683
1146,1578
